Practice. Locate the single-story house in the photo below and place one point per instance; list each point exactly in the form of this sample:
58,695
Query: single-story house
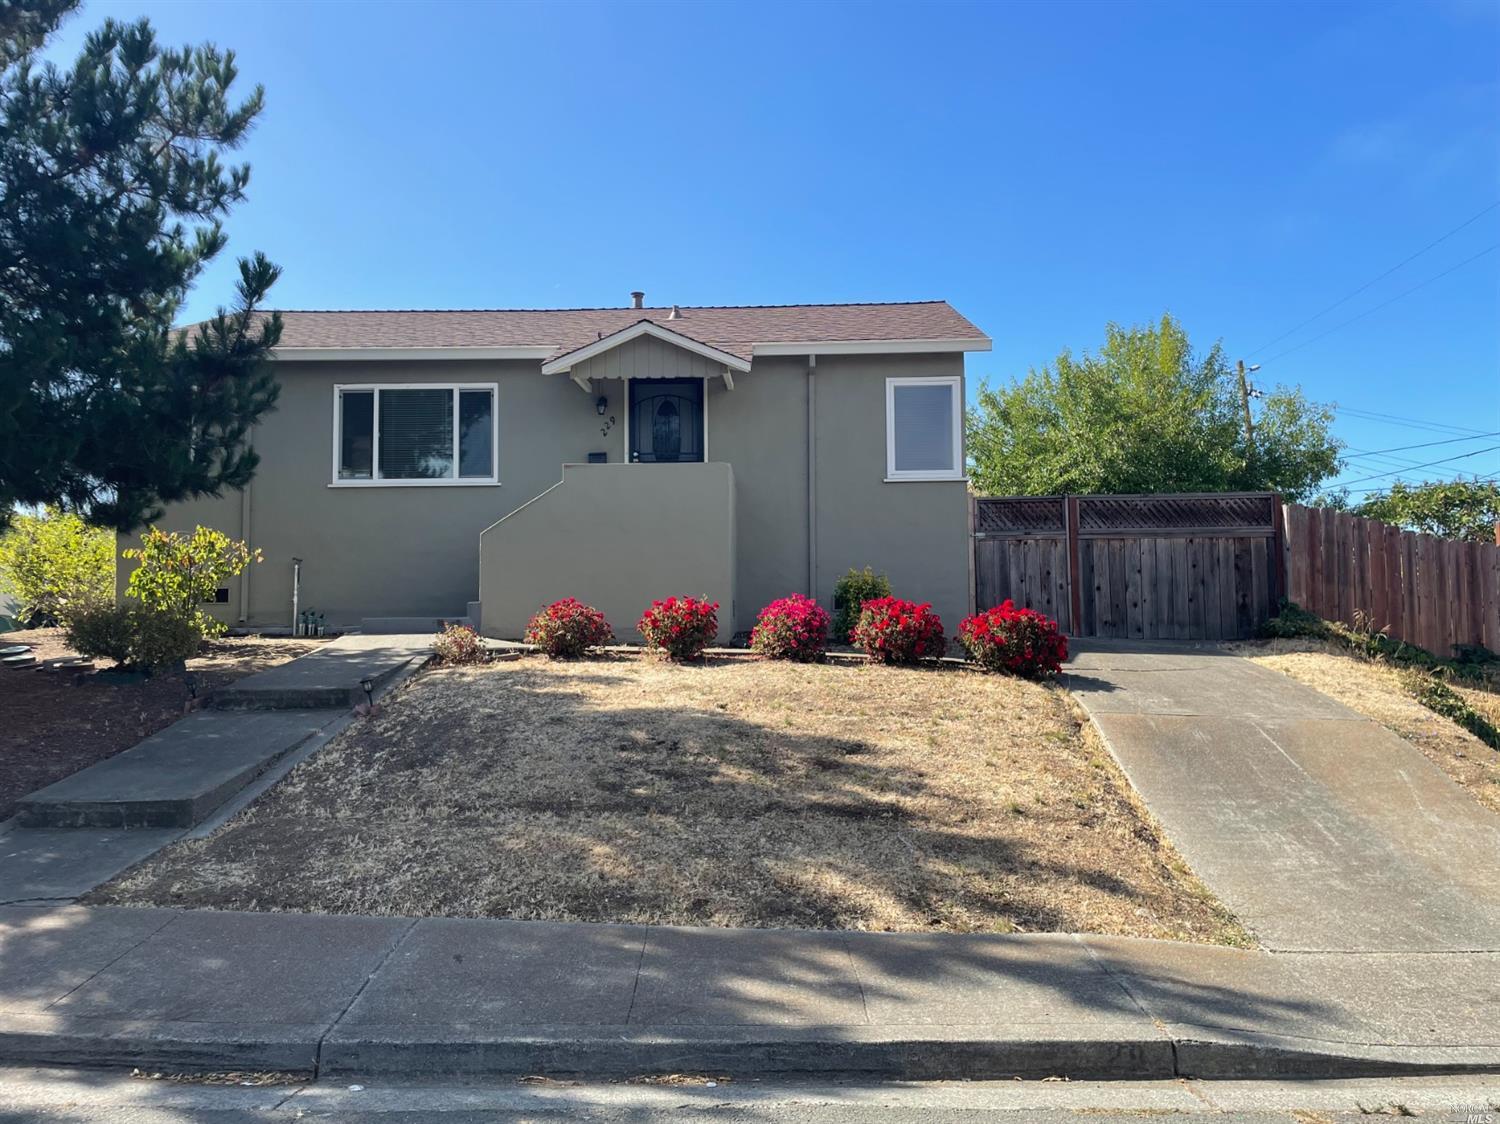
425,465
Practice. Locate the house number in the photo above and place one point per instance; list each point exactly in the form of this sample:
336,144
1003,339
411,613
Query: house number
607,426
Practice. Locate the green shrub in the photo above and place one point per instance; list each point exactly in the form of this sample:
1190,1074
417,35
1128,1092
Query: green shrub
133,636
849,596
178,573
161,640
56,566
1293,622
1442,699
103,632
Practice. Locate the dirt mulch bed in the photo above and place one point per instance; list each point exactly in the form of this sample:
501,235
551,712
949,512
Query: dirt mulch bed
53,723
736,793
1375,691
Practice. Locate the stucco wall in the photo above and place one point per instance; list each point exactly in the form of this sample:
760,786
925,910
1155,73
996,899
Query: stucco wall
615,537
414,551
916,531
390,551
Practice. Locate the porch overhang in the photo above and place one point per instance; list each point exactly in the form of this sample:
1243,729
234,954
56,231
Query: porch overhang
565,363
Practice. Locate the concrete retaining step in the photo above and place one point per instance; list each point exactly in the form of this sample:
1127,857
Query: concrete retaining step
174,778
410,626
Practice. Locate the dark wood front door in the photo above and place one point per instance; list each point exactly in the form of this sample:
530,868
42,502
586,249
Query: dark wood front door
666,420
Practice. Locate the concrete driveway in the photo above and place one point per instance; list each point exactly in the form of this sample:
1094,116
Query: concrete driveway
1321,829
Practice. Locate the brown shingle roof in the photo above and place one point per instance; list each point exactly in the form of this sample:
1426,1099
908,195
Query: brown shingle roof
732,329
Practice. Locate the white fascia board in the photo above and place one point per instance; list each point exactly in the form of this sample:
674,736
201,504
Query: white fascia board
528,351
872,347
634,331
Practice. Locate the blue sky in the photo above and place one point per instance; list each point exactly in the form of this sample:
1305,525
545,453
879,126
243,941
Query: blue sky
1046,167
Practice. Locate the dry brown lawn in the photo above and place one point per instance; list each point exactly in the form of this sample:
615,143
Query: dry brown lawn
1375,691
736,793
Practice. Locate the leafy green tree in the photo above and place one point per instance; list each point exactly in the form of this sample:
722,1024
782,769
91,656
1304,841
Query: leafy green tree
111,200
177,574
56,566
1145,414
1451,509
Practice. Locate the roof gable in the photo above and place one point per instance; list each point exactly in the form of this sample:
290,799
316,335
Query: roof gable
566,361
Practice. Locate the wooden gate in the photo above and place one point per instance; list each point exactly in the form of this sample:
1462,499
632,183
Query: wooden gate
1164,567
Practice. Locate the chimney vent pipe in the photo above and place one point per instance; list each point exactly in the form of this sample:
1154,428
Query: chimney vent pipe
637,299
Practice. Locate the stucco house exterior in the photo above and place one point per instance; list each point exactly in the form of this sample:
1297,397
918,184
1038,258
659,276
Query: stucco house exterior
418,462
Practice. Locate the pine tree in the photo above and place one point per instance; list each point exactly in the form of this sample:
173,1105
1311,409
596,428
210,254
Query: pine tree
112,196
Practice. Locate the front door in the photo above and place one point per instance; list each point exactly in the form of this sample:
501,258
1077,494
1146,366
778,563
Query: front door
666,420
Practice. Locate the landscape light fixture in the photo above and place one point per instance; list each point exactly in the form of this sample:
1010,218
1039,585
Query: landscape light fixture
601,405
368,685
192,685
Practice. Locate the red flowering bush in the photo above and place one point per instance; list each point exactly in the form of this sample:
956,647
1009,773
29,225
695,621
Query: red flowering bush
791,628
680,627
1020,641
568,628
458,643
891,630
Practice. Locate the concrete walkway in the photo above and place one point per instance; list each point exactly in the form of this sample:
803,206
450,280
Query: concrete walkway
1320,828
363,995
81,831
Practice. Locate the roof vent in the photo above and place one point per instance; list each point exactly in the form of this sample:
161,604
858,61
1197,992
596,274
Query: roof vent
637,298
676,313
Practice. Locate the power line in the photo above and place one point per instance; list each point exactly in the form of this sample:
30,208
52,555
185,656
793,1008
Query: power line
1409,423
1429,464
1346,299
1382,304
1387,487
1358,453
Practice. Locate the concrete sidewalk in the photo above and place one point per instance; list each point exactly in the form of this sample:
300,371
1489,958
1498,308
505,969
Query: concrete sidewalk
1321,829
361,995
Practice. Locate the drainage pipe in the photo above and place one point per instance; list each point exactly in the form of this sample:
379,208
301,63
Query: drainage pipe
296,592
247,536
812,478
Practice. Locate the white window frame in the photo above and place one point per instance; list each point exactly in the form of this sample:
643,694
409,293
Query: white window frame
454,481
958,471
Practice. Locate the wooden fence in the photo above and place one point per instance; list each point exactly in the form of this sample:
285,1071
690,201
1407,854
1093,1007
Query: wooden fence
1431,592
1167,567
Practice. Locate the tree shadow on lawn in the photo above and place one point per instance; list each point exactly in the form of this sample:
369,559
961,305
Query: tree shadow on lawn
515,792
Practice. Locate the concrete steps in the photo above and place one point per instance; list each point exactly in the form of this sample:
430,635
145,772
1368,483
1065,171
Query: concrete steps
174,778
330,677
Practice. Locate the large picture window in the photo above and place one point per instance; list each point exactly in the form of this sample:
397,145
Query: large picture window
924,432
414,434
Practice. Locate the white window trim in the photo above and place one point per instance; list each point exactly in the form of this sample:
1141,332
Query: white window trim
454,481
892,475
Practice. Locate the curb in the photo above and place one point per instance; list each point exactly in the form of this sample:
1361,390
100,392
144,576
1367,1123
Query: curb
947,1053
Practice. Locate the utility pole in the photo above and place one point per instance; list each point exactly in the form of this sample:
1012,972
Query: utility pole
1245,402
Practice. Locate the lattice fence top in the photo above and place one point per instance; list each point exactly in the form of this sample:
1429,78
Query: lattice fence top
1045,515
1019,515
1234,511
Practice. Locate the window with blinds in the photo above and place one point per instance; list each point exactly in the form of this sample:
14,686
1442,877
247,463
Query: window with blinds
924,428
414,435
